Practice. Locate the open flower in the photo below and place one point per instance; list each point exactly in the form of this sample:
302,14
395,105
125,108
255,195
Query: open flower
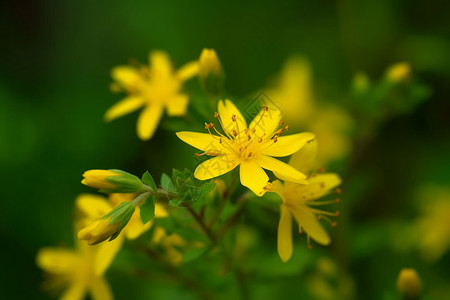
156,87
95,229
250,147
75,272
301,202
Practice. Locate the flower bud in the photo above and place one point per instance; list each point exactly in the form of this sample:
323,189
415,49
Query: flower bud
112,181
409,284
210,72
399,72
109,226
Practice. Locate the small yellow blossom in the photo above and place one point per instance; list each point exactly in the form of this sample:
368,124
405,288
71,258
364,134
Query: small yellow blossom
250,147
112,181
75,273
399,72
409,284
170,244
433,226
95,229
301,202
155,87
209,63
98,179
99,231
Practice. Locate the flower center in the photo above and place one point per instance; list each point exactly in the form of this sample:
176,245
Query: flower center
246,143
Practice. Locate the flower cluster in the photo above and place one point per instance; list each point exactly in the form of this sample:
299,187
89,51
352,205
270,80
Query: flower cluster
257,145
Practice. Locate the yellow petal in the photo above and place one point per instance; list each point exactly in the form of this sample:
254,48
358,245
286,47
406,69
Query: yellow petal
160,65
100,289
308,221
215,166
304,159
105,254
76,291
281,169
148,121
285,234
202,141
253,177
319,185
266,122
127,76
177,105
160,211
188,71
135,227
226,112
92,206
287,145
56,260
123,107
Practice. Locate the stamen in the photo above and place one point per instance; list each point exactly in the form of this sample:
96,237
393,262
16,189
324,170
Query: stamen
281,122
286,128
321,170
338,191
309,242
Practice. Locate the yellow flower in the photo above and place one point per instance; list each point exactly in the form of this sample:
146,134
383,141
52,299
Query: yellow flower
209,63
301,202
250,147
93,207
399,72
170,244
156,87
409,284
112,181
99,231
76,272
433,226
293,92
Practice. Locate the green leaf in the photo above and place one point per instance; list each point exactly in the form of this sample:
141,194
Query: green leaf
148,180
166,183
147,209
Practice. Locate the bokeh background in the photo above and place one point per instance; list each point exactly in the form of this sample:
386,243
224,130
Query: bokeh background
56,58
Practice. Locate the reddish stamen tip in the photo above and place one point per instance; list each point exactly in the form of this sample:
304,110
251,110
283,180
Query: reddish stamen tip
319,217
281,122
266,108
338,200
198,155
216,115
337,213
334,224
338,191
321,170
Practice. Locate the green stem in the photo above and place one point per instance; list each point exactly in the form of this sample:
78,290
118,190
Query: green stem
202,224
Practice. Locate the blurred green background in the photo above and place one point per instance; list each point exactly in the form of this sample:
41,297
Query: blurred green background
56,58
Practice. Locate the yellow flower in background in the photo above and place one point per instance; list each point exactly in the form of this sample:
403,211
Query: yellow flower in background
250,147
74,273
399,72
154,88
409,283
301,202
94,207
209,63
293,92
433,226
170,244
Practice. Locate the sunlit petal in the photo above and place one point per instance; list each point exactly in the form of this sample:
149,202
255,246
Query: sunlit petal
215,167
287,145
100,289
253,177
226,110
202,141
285,247
280,169
266,122
160,65
123,107
177,105
148,121
188,71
